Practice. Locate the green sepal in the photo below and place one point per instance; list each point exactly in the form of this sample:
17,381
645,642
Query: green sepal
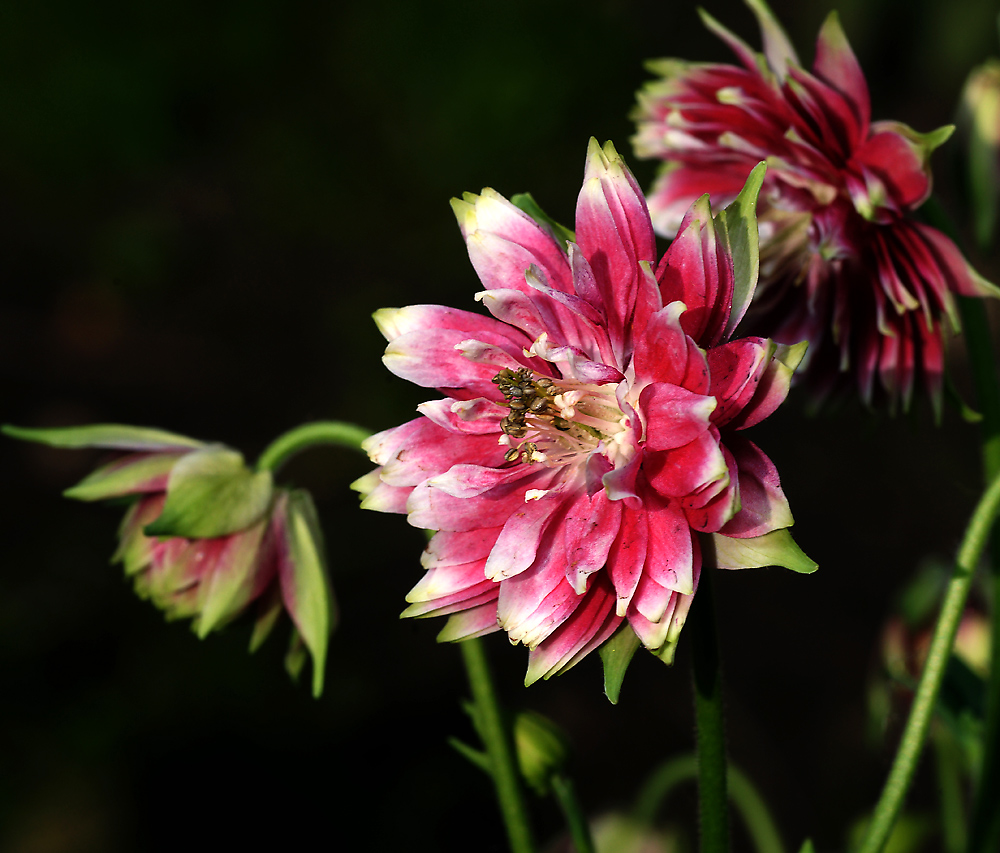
111,436
737,227
123,477
305,584
776,548
616,654
210,493
525,202
267,617
296,656
807,846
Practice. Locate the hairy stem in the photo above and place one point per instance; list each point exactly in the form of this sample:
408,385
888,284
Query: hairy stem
707,676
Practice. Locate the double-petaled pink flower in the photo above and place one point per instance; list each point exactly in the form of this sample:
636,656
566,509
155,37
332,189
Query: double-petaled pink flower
588,455
843,263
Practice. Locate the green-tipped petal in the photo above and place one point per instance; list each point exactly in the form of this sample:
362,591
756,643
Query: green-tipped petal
132,475
111,436
777,48
226,591
210,493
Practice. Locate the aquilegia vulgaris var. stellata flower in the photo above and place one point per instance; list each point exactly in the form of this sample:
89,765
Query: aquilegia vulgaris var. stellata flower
207,538
588,456
844,265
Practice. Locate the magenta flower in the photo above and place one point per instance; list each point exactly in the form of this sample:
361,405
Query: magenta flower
207,538
843,263
588,456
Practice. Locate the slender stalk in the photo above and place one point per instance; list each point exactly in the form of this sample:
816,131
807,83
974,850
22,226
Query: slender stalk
915,733
499,747
707,676
579,829
285,446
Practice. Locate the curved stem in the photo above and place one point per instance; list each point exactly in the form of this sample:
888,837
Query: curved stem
499,747
915,733
579,830
285,446
707,675
749,803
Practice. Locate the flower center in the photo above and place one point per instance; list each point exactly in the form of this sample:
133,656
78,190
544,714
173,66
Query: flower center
558,419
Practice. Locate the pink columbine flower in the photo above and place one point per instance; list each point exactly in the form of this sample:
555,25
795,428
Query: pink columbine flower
589,454
843,262
207,538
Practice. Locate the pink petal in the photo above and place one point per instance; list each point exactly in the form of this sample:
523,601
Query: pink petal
664,353
592,525
837,65
590,625
434,509
518,543
628,556
709,508
614,232
736,369
471,417
433,451
504,241
697,271
535,602
763,506
687,469
674,416
448,548
475,622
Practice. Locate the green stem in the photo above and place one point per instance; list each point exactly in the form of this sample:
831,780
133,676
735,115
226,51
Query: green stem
949,775
499,747
579,830
985,834
915,733
285,446
760,824
710,722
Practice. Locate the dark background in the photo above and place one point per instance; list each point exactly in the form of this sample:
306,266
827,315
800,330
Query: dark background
200,207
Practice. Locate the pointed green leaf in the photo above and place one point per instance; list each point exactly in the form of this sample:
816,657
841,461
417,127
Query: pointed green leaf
776,548
477,757
525,202
133,474
212,493
807,846
737,228
305,585
111,436
616,654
